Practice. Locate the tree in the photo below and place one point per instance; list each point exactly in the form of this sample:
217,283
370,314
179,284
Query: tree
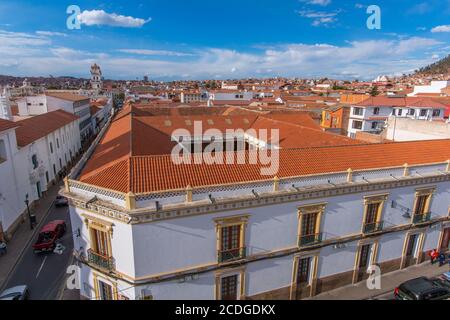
374,92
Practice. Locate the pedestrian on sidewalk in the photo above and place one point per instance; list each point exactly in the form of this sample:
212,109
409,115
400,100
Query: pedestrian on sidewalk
441,259
3,248
434,254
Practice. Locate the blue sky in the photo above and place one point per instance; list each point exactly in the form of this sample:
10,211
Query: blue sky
199,39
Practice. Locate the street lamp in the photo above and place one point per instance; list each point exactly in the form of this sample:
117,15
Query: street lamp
32,218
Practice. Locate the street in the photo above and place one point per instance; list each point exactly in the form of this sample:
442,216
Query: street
386,296
44,273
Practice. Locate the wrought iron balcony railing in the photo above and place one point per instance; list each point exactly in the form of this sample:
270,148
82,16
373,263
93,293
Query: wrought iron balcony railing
98,260
422,218
373,227
310,240
233,254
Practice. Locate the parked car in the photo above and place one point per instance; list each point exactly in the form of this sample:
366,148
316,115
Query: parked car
61,201
421,289
443,280
49,235
15,293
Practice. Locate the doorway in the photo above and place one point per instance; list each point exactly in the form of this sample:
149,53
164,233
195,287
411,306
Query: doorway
411,250
38,189
364,262
445,242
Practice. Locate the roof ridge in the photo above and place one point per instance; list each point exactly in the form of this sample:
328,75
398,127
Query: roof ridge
130,172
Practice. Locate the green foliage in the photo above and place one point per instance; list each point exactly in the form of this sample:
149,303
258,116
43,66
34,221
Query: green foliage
439,67
374,92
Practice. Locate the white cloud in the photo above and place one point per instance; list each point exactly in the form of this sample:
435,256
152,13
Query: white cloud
72,54
32,55
322,3
156,52
51,34
319,17
444,28
100,17
8,38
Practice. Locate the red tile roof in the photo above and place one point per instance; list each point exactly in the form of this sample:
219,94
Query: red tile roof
6,125
34,128
142,174
67,96
134,133
384,101
134,153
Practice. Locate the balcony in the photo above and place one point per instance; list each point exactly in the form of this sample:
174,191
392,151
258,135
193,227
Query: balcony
373,227
233,254
310,240
421,218
100,261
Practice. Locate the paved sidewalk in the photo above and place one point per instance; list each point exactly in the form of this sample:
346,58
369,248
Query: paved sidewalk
388,283
23,234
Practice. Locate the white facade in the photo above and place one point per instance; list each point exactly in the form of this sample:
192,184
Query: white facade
404,129
40,104
187,97
99,119
373,119
5,107
33,105
434,88
172,253
31,169
232,95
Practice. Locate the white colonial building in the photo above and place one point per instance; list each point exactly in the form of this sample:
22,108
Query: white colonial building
372,114
56,100
146,228
34,153
434,88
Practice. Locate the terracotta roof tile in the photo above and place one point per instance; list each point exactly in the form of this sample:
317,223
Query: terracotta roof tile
6,125
384,101
67,96
133,154
34,128
157,173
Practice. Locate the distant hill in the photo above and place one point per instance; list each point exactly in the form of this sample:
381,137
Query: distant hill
439,67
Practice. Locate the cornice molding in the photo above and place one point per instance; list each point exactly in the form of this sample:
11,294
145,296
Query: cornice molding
143,215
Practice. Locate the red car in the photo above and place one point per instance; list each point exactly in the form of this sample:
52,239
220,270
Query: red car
48,236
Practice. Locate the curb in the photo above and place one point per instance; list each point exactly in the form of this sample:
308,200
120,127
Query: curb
21,254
